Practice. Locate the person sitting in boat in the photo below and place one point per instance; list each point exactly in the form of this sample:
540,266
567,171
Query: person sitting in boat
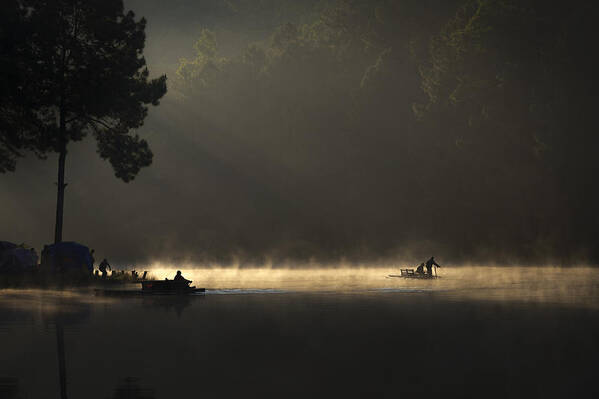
103,265
180,279
429,265
420,269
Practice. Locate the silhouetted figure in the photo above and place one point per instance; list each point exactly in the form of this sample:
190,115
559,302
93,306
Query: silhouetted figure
420,269
179,278
144,276
91,253
103,265
429,265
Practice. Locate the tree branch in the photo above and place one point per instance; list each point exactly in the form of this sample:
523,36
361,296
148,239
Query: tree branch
100,122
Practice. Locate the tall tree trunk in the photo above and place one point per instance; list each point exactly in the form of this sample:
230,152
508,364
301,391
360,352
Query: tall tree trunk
60,195
61,184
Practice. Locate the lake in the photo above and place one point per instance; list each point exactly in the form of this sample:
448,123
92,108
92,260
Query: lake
486,332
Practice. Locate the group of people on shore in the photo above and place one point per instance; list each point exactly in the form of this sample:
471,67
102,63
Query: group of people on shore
104,266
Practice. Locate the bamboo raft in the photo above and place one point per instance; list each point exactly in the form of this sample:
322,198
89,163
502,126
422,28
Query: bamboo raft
410,273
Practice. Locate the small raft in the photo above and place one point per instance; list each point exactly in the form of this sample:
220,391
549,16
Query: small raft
410,273
158,287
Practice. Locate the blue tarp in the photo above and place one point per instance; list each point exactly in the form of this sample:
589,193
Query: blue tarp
4,245
67,256
16,259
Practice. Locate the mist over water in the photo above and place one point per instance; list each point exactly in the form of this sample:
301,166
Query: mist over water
344,331
577,286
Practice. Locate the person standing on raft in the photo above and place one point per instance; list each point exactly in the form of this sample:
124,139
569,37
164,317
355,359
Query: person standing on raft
429,265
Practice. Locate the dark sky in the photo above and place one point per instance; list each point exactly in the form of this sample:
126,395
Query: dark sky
325,158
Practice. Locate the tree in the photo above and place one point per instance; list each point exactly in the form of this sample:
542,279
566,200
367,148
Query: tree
85,73
15,115
510,82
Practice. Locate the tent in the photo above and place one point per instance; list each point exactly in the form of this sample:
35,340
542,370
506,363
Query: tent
16,259
67,256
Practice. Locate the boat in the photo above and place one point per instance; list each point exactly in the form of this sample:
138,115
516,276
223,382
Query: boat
169,287
158,287
410,273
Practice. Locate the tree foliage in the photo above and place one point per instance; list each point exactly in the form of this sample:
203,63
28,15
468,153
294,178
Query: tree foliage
17,109
504,79
81,71
457,122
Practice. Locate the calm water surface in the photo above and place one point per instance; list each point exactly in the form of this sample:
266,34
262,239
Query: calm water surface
474,332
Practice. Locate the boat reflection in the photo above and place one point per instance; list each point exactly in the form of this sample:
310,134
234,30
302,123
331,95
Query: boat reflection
176,303
129,388
9,388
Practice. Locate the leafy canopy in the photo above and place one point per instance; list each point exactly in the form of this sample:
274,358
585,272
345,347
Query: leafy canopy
81,71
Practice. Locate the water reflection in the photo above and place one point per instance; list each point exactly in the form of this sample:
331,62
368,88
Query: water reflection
9,388
129,388
380,342
66,315
168,303
58,309
62,364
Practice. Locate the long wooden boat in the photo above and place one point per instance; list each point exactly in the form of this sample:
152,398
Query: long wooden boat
158,287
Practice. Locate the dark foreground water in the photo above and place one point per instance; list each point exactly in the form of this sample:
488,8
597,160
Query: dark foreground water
411,339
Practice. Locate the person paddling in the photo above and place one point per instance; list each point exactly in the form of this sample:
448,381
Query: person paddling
429,265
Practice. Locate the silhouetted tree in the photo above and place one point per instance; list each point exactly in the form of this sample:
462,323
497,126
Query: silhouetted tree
16,110
83,72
